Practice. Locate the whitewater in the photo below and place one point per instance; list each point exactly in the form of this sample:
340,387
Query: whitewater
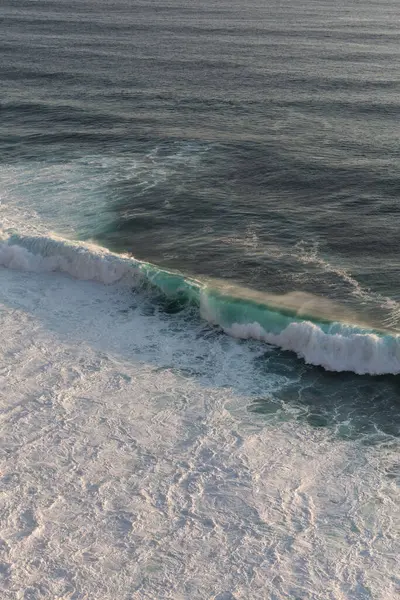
131,468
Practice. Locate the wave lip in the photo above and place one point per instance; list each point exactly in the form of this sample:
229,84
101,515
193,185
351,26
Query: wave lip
50,253
361,353
333,345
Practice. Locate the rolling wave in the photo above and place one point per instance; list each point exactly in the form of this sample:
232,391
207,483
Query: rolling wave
319,340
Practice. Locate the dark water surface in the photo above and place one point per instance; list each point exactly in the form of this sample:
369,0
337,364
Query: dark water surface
249,141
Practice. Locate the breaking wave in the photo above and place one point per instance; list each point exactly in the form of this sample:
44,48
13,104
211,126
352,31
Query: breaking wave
334,345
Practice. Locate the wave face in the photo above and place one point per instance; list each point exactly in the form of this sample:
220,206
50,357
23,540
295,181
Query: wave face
333,345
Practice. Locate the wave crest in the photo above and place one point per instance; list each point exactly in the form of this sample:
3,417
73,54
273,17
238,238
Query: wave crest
332,345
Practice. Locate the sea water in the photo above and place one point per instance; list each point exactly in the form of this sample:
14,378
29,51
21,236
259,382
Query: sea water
199,300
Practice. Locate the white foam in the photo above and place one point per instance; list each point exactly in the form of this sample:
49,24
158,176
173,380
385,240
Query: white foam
83,261
130,466
365,353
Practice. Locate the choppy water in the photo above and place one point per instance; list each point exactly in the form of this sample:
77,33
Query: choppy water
210,407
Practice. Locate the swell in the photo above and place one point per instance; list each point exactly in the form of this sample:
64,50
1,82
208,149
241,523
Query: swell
334,345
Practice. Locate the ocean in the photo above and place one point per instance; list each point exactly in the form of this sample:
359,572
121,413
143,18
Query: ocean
199,300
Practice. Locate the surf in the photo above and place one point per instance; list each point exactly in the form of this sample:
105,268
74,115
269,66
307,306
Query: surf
292,323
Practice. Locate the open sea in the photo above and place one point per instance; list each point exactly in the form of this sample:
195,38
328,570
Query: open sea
199,300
